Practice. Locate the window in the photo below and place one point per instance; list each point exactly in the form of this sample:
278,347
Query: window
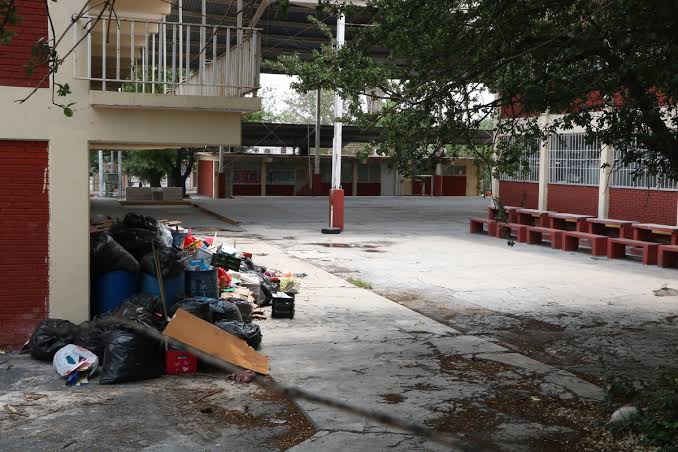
629,176
281,177
528,167
456,171
369,173
574,160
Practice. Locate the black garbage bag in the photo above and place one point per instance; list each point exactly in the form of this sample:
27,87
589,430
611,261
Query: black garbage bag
268,288
131,356
250,332
138,241
107,255
92,336
244,307
170,263
224,310
49,337
135,220
145,309
246,265
198,306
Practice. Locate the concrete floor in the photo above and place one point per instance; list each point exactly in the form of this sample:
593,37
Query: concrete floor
592,316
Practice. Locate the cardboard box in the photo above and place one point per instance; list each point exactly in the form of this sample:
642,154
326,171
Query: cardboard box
191,330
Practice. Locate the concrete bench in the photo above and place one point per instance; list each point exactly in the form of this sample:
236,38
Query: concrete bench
519,229
667,255
535,235
476,226
570,242
616,249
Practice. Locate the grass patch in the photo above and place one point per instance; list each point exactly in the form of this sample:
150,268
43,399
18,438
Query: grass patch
359,282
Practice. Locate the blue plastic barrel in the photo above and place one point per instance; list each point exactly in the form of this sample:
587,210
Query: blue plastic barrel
113,288
202,284
173,286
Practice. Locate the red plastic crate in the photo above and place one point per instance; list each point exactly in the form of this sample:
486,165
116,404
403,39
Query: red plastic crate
178,362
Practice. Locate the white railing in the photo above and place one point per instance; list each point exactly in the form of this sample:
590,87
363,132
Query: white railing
179,58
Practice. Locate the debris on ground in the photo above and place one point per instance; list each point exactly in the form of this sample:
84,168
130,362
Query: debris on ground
244,376
666,292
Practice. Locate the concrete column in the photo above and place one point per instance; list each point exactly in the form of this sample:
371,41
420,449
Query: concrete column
263,177
354,190
606,160
315,180
543,175
101,173
120,185
438,181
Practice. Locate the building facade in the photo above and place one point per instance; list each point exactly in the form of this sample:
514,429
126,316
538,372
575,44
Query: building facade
139,83
283,175
566,173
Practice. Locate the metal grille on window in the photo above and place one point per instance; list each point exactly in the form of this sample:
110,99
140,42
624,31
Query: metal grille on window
529,164
632,176
574,160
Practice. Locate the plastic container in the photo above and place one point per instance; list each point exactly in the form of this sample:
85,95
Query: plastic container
179,362
113,288
283,306
178,238
202,284
173,287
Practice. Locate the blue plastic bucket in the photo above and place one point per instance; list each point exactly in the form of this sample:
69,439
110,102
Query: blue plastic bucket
113,288
173,286
202,284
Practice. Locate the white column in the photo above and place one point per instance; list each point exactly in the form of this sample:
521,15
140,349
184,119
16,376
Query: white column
338,112
606,160
101,173
543,175
317,133
120,188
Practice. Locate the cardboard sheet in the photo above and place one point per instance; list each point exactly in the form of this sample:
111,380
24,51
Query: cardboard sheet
204,336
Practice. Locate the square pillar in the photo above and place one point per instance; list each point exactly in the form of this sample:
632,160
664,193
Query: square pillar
543,175
606,160
354,188
263,177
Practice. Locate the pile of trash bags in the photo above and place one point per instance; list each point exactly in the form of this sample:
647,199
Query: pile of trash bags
123,353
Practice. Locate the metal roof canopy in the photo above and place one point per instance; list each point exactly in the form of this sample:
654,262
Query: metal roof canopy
303,135
282,33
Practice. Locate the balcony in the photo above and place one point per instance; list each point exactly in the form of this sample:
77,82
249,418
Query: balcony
163,64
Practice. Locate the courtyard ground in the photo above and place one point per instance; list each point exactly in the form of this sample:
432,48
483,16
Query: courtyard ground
592,316
466,364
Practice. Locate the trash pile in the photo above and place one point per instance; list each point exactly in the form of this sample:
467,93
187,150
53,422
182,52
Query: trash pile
159,275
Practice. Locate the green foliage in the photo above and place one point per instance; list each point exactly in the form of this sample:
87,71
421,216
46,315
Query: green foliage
445,57
359,283
8,18
657,402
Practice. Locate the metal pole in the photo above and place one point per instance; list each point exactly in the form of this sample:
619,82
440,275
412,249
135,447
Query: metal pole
101,173
338,112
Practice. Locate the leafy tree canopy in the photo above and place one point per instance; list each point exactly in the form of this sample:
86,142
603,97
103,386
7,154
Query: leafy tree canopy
609,66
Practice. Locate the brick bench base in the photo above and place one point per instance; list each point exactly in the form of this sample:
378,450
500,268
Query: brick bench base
476,226
616,249
667,256
571,240
535,235
519,229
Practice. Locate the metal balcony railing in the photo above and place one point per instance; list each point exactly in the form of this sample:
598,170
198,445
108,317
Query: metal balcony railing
176,58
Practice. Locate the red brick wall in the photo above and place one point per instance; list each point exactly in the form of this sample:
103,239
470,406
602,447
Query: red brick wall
647,206
519,194
16,55
578,199
206,178
24,209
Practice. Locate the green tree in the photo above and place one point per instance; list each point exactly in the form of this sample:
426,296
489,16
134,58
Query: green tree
152,166
607,66
301,108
